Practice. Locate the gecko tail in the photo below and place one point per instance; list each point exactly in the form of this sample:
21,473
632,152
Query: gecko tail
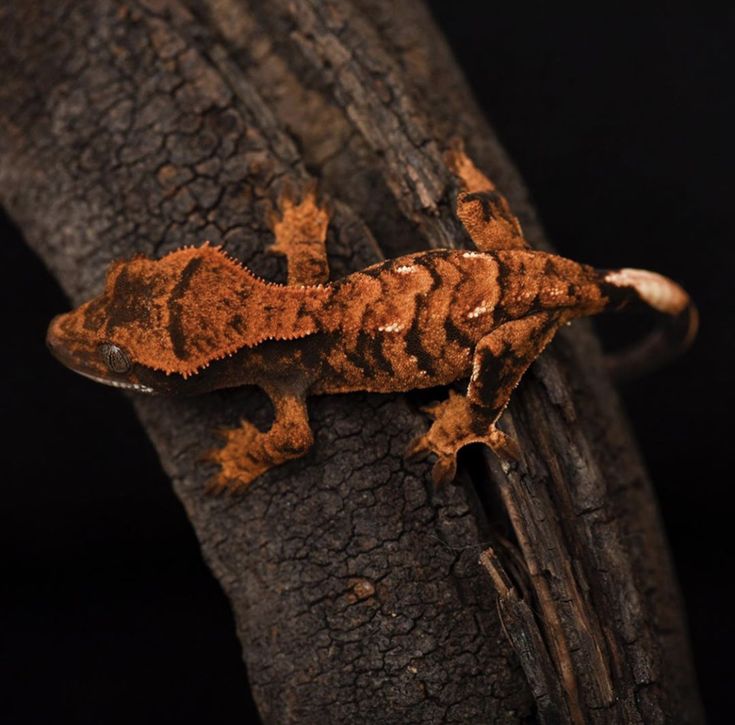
679,320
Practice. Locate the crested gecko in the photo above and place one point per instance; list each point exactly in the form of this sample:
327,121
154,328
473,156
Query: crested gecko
197,320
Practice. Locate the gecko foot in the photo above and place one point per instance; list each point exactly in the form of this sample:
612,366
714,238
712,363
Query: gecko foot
458,423
238,466
249,452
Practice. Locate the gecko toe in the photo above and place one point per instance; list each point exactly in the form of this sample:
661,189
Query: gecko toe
438,407
418,449
432,409
232,483
445,467
216,487
444,471
505,447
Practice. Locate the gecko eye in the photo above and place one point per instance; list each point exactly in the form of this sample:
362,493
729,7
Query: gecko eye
115,358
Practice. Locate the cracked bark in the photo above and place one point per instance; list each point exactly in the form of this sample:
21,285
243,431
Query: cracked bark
357,590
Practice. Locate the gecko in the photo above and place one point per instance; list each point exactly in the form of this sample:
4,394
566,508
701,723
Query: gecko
197,320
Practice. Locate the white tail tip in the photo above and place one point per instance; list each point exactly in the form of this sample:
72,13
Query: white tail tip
656,290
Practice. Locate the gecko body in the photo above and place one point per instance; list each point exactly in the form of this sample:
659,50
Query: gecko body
197,320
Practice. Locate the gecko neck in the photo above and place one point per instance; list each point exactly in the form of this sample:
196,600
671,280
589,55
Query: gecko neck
283,312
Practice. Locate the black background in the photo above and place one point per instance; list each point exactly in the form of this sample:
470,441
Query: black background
622,127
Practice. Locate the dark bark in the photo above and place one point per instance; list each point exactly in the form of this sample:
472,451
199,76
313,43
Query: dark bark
357,589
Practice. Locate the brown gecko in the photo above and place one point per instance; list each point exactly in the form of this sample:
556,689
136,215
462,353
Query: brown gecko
197,320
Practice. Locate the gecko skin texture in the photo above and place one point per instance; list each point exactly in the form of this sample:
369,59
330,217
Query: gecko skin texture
197,320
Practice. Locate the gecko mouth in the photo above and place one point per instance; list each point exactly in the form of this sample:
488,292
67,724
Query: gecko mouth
137,387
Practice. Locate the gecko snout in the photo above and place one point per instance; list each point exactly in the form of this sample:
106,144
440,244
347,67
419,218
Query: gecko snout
65,344
53,336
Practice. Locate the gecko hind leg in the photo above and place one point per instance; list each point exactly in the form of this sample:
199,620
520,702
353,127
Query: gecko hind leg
249,452
300,230
499,362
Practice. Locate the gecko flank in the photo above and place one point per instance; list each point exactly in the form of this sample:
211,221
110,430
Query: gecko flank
197,320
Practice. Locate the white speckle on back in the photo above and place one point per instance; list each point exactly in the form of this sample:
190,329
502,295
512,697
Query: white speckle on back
406,268
470,255
479,310
475,370
392,327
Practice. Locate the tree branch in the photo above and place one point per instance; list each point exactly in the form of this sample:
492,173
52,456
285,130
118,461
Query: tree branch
143,126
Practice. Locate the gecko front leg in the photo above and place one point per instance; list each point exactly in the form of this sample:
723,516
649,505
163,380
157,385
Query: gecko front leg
500,359
300,230
249,452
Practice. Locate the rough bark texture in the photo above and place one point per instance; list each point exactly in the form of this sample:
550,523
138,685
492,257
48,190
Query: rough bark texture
142,126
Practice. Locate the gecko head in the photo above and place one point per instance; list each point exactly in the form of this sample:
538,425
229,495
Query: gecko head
157,322
87,352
